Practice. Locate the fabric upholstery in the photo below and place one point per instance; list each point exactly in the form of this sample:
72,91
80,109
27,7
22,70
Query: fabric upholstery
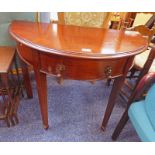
142,116
150,105
88,19
140,121
140,60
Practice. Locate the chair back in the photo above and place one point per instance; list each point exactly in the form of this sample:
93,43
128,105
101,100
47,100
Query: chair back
150,105
150,22
145,31
86,19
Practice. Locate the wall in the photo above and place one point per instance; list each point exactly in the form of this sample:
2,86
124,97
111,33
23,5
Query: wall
142,18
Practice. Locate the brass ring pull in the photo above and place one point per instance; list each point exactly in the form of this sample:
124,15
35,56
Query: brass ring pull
60,68
108,72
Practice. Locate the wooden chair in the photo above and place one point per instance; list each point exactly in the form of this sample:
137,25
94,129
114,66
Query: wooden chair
141,112
124,24
120,20
147,30
140,59
139,62
132,97
9,87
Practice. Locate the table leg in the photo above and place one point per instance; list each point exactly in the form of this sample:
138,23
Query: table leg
26,78
118,82
42,94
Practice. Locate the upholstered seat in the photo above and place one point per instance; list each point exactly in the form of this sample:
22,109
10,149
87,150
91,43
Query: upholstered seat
142,116
141,59
141,122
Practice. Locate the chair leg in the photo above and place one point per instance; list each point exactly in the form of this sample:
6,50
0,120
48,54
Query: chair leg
133,71
10,105
120,125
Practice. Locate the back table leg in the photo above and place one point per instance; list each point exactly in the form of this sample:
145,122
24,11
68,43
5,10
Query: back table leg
118,82
26,78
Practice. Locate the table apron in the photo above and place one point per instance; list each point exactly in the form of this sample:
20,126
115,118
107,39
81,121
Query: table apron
73,68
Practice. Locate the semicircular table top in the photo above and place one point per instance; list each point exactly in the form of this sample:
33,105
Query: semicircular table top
79,53
76,41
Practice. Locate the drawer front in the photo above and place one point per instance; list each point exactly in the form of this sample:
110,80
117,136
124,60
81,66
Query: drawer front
81,69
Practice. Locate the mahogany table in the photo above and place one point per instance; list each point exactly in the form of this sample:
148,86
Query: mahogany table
79,53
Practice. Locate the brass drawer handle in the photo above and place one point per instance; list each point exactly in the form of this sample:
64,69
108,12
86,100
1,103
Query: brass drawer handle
60,68
108,72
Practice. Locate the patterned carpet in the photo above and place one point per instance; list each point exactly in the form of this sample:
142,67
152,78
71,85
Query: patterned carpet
75,114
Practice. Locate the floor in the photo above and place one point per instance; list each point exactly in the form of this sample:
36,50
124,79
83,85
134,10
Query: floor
75,114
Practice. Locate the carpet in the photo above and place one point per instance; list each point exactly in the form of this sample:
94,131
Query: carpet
76,111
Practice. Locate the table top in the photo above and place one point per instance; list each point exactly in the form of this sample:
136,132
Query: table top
6,58
79,42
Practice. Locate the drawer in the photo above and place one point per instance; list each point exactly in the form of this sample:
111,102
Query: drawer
81,69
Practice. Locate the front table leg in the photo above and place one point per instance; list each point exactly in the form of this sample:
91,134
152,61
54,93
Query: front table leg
42,94
118,82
